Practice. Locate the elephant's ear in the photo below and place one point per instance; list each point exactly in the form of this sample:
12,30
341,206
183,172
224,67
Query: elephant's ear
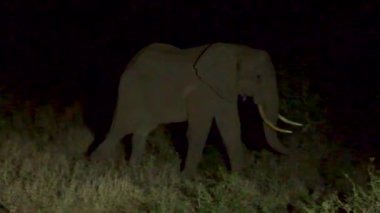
217,68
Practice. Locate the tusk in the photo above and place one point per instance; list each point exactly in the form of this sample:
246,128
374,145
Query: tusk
269,123
285,120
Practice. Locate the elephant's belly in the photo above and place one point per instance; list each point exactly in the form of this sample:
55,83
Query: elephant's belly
167,110
156,100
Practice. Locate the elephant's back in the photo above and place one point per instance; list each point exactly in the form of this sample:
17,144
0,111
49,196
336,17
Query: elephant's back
157,80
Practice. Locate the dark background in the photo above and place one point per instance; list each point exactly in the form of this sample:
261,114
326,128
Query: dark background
77,50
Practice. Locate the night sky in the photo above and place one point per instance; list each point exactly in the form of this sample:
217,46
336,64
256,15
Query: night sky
77,50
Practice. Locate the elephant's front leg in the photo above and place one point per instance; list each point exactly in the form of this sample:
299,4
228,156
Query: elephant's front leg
227,120
200,117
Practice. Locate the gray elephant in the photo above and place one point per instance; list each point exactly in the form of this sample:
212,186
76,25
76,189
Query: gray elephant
165,84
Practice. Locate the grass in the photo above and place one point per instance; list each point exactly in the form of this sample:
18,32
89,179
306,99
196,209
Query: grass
42,170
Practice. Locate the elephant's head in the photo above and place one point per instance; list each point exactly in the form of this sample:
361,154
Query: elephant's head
232,70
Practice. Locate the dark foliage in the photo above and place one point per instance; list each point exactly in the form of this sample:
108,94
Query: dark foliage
78,49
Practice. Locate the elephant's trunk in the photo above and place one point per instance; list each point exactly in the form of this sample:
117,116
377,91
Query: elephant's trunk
266,97
270,128
274,142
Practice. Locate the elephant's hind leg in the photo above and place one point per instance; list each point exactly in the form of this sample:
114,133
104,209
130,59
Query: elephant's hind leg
138,148
110,148
139,139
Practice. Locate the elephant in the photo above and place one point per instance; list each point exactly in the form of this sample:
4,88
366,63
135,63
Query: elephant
164,84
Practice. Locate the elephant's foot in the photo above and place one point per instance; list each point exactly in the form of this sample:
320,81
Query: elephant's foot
239,160
106,152
189,173
134,162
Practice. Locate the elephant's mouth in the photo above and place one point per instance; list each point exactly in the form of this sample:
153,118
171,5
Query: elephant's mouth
273,126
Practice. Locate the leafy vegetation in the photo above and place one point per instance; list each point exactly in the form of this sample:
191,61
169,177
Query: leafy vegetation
43,169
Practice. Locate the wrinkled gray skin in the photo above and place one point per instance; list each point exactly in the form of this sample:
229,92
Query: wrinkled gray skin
165,84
